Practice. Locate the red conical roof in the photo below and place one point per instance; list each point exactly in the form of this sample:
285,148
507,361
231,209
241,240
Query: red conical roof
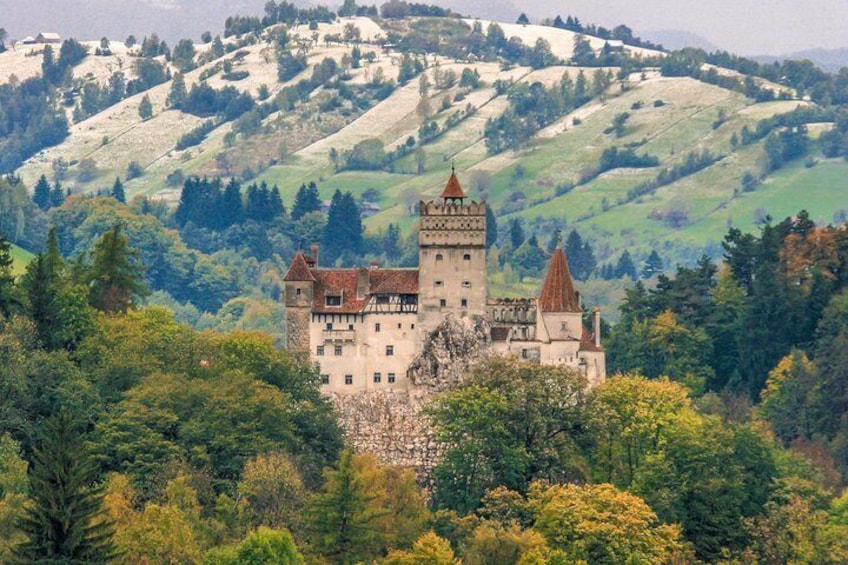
299,270
453,188
558,293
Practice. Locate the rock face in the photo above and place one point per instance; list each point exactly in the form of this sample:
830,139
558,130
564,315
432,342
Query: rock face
449,352
393,425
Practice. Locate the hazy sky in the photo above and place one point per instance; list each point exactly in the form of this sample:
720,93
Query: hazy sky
748,27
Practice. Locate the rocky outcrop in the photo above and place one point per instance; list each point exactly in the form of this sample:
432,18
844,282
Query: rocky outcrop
449,352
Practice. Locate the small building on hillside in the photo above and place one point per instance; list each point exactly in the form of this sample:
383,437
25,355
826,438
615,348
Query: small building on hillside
48,37
365,326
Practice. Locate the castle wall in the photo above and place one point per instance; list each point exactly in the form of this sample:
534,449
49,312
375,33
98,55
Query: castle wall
364,340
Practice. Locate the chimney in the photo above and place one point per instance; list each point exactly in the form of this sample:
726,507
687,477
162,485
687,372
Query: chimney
597,326
362,283
375,265
315,254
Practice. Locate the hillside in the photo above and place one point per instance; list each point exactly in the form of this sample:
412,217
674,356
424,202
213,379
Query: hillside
548,182
21,258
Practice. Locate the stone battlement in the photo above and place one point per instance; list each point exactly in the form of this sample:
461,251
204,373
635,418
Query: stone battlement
433,208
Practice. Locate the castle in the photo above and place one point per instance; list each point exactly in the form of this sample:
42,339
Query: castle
364,326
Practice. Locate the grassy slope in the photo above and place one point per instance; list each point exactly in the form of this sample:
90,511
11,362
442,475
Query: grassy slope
21,258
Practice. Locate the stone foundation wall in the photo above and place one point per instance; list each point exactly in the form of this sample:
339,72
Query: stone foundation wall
392,426
297,329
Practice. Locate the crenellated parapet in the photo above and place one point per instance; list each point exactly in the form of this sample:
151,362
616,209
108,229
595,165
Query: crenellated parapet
435,208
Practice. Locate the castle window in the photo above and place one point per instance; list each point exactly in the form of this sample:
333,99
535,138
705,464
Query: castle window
524,354
377,377
297,291
390,350
466,284
337,350
319,351
400,326
325,379
348,379
391,378
350,326
439,257
464,303
412,326
377,327
466,257
329,326
443,302
440,284
333,300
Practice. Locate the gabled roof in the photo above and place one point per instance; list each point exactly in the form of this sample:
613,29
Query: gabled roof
558,294
299,270
453,188
343,283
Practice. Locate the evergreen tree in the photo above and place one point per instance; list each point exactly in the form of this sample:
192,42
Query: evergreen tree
178,92
516,233
581,258
343,232
307,200
145,108
276,209
118,191
625,267
491,227
57,195
9,301
555,241
339,519
66,523
653,265
231,205
41,193
391,242
115,277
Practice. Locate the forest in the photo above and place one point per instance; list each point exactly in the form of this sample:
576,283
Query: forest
720,438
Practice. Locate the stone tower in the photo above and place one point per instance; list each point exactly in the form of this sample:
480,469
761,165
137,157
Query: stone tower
451,257
298,298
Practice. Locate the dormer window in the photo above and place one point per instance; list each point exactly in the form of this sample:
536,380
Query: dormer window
382,299
333,300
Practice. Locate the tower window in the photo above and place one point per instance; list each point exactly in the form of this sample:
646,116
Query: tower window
464,303
377,327
400,326
377,377
319,351
329,326
390,350
297,291
443,302
337,350
466,257
466,284
348,379
391,378
439,257
350,326
440,283
325,379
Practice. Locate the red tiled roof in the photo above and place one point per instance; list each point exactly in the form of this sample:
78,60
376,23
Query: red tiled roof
299,270
394,281
453,188
587,341
558,293
342,283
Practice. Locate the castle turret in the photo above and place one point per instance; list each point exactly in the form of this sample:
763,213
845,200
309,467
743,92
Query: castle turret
452,257
561,317
298,299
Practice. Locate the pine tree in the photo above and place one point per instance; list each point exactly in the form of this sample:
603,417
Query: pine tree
339,519
40,284
231,205
516,233
178,93
66,522
625,267
145,108
491,227
118,191
276,208
653,265
41,193
57,195
9,301
343,232
306,201
114,275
